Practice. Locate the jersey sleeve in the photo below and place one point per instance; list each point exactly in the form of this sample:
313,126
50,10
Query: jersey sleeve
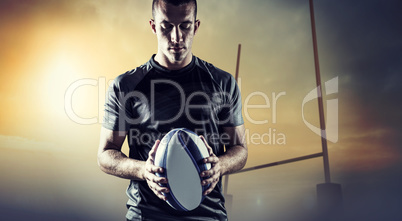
116,108
231,113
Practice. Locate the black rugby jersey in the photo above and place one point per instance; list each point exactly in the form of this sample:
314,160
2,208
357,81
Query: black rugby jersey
149,101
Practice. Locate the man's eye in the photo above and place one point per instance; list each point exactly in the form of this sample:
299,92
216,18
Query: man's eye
185,26
167,26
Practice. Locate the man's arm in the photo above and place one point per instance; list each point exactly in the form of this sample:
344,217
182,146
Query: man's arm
235,157
114,162
231,161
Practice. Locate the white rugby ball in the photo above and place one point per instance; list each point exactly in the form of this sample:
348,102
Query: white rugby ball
181,153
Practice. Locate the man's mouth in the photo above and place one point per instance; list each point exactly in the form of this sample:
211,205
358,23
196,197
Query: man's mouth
176,48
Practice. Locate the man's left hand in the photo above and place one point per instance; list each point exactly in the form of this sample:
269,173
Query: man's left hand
214,173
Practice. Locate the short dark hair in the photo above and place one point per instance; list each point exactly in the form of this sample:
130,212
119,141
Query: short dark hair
175,3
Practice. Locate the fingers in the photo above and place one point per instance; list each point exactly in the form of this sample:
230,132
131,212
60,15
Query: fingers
213,181
209,190
155,179
152,152
210,180
150,168
212,175
160,196
158,190
157,186
210,151
155,182
212,159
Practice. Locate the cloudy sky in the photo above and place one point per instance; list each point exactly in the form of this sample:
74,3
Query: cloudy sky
57,58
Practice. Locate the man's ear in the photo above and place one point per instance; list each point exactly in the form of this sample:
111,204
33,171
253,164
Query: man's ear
152,24
197,24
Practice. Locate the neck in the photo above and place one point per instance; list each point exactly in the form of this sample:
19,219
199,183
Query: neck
172,65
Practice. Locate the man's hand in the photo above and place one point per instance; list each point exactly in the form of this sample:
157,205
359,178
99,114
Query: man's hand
154,182
214,173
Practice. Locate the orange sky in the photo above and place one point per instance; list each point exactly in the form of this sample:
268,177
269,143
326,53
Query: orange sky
49,46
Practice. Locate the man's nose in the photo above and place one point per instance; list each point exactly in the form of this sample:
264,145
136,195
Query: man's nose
176,35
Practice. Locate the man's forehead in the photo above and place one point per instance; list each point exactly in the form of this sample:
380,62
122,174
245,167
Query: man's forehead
174,14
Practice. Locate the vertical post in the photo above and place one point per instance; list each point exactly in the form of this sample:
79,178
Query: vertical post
320,102
229,197
238,62
329,195
225,189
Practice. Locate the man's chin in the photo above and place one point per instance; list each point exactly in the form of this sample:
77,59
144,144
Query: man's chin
178,57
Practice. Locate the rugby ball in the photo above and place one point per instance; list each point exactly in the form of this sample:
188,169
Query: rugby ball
180,153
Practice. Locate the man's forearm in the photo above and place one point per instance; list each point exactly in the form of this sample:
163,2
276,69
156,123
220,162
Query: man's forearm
233,160
116,163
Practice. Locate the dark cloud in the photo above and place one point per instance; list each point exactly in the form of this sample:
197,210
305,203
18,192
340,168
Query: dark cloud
373,195
365,37
360,41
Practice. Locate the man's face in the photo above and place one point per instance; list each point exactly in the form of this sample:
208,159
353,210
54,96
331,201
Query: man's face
175,27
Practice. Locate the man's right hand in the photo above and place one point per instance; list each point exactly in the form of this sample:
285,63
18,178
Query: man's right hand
154,182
